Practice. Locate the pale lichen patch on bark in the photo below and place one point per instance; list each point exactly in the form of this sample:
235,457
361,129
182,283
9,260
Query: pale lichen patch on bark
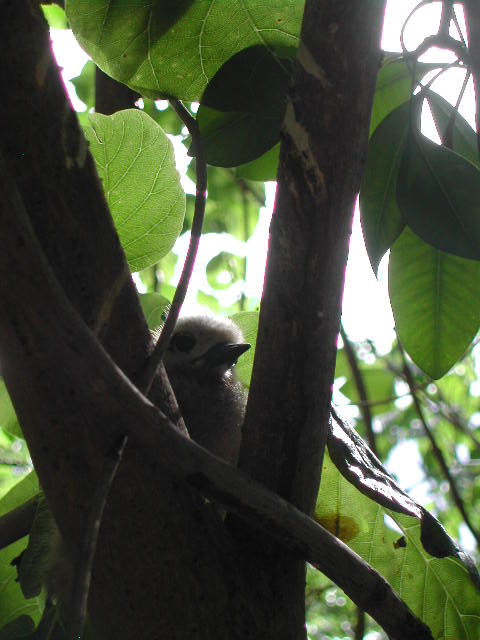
310,66
301,140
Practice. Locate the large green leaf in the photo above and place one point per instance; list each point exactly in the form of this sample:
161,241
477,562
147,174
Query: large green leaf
439,591
464,139
435,299
394,86
233,138
243,106
438,194
381,219
263,169
160,47
136,164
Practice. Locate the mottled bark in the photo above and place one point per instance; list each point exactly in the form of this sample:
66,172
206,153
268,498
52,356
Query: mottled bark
324,144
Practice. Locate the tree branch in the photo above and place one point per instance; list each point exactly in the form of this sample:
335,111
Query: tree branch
152,364
435,448
121,409
364,404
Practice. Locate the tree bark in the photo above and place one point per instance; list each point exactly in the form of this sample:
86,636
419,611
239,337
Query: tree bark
323,152
163,555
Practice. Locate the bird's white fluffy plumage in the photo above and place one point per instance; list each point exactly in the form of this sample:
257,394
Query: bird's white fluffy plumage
199,361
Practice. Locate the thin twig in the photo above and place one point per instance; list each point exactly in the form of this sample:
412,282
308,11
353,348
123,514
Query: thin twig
446,18
451,415
156,356
435,448
360,624
364,405
447,138
86,555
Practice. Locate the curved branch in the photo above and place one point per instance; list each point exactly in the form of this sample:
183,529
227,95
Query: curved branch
153,362
76,354
364,404
435,448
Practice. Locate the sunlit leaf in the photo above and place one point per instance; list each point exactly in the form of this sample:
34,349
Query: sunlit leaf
435,299
55,16
439,591
175,48
136,164
8,417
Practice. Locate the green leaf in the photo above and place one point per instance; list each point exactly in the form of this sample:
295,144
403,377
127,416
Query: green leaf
224,269
8,417
253,81
166,47
136,164
439,591
234,138
379,386
228,208
243,106
438,194
464,138
26,488
85,85
394,86
12,602
435,299
248,323
342,366
263,169
155,308
55,16
381,219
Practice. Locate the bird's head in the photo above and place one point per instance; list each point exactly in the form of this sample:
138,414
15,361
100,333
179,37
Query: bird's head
204,345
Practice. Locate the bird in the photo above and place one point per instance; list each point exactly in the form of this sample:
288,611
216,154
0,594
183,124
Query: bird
199,361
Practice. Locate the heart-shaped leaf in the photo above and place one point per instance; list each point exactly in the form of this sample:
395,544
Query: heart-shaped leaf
136,164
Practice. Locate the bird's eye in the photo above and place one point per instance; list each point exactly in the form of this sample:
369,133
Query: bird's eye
183,342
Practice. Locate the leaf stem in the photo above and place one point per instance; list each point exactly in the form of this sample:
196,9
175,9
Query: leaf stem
435,448
156,356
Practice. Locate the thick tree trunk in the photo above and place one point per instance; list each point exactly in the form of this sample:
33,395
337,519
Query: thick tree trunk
167,562
324,143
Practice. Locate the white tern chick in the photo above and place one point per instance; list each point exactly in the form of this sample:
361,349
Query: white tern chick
199,362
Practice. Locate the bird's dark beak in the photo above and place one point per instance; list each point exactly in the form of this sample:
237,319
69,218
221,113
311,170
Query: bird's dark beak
225,354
